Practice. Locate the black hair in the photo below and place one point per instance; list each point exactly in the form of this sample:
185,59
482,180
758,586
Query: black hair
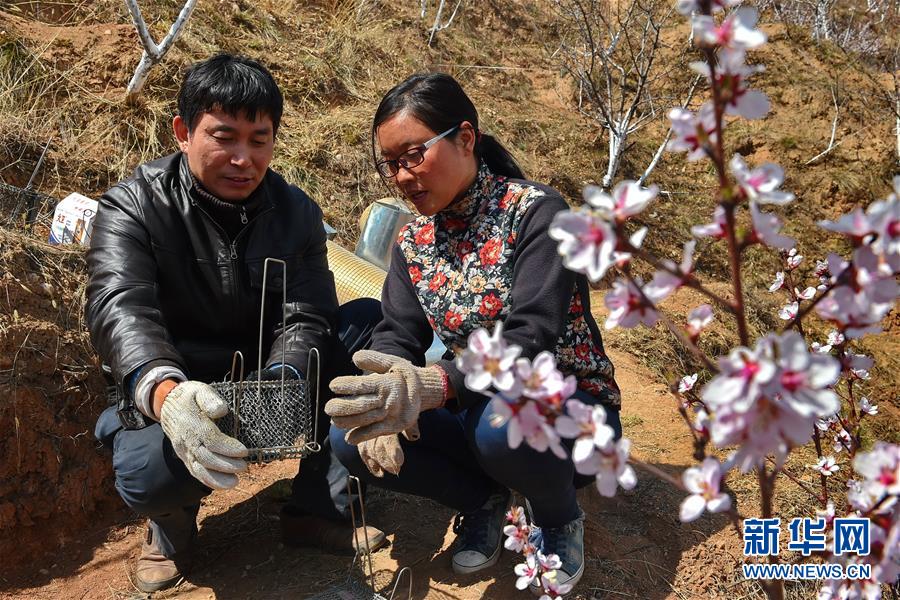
234,84
439,102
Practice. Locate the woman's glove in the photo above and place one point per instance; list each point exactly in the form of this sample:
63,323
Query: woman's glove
387,401
382,454
187,420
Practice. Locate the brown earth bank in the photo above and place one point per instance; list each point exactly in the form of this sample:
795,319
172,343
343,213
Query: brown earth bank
54,482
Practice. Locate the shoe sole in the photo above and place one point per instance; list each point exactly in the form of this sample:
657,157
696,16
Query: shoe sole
158,586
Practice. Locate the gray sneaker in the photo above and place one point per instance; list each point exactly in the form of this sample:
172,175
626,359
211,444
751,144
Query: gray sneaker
479,535
567,542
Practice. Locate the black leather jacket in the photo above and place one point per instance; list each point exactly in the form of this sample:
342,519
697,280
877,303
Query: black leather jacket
166,284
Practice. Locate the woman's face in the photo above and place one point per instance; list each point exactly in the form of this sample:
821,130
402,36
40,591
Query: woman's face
449,167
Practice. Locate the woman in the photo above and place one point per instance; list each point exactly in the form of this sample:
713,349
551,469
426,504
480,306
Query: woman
480,253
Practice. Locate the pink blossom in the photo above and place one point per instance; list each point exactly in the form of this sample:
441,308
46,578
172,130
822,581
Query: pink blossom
731,75
664,282
762,183
516,538
826,466
766,227
622,258
853,311
628,199
540,379
778,283
612,468
766,400
855,225
806,294
804,380
793,259
789,311
686,7
736,30
880,469
703,482
867,408
687,383
842,440
699,318
553,590
525,422
835,338
693,133
627,306
489,360
716,229
587,424
527,572
549,562
884,217
586,241
701,422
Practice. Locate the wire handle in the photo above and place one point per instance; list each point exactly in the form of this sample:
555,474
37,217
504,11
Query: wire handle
314,445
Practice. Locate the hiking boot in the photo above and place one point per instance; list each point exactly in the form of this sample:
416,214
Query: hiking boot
335,537
154,571
567,542
479,535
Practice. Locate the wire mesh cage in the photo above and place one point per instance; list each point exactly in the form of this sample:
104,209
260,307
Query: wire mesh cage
24,207
360,585
275,420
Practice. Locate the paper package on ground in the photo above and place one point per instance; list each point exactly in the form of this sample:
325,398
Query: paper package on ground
73,220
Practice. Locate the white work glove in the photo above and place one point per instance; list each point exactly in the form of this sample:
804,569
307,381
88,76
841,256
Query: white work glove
187,420
382,454
387,401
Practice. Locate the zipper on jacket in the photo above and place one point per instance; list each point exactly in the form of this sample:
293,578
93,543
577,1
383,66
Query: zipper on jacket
243,219
234,253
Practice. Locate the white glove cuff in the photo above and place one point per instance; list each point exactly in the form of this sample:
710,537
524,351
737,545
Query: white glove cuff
144,388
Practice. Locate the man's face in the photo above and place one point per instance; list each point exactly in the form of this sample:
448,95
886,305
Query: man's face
229,155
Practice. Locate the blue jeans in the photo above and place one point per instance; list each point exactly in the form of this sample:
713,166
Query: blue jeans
460,460
154,482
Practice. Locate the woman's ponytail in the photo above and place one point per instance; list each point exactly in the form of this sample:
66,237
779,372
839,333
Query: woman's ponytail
498,158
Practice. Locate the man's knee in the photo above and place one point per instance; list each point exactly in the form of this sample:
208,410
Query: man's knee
150,477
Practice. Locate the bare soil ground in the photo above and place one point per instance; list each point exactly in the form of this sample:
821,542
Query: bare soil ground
636,547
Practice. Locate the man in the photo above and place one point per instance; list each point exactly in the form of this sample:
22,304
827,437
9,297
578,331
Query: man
175,285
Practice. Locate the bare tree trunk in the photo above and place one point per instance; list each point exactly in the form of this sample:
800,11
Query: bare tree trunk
153,53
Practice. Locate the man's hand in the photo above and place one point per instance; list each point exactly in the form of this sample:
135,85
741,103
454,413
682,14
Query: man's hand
187,420
387,401
382,454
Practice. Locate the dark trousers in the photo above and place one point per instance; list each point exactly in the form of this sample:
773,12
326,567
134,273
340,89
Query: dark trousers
461,459
154,482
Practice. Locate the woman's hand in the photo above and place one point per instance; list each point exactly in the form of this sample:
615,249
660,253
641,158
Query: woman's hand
388,400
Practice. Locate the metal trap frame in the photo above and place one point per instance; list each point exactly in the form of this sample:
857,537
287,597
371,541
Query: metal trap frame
275,420
363,588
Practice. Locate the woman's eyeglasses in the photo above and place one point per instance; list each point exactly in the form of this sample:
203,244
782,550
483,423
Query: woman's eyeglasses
412,157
